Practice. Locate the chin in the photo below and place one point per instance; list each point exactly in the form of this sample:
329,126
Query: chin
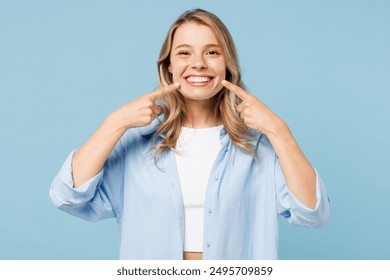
199,93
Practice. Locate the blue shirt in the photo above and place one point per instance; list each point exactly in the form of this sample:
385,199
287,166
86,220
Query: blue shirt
243,199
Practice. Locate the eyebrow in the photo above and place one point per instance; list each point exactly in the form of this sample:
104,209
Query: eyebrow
207,46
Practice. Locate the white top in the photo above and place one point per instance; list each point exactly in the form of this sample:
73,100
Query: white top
196,151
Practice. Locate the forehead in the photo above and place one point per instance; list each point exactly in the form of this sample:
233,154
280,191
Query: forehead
194,34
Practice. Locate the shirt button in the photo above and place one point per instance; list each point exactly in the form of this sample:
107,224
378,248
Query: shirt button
216,178
210,211
208,245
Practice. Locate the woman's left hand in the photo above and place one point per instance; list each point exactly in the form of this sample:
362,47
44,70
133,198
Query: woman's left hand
298,172
255,113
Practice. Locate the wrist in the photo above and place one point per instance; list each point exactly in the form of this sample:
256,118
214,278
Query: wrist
278,126
114,123
279,131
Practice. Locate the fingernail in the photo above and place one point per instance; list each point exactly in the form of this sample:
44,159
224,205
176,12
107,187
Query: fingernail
223,82
177,84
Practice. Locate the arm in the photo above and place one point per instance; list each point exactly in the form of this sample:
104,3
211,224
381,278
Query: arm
81,188
89,160
298,172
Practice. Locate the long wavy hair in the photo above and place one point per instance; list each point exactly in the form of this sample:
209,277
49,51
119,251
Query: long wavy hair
173,104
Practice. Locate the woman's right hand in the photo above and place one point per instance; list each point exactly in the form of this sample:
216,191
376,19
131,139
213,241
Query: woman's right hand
90,158
143,110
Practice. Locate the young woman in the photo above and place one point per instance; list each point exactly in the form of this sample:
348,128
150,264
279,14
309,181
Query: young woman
198,169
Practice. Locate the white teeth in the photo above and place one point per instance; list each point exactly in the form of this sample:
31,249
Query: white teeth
193,79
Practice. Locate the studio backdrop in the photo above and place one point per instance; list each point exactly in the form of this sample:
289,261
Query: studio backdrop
322,66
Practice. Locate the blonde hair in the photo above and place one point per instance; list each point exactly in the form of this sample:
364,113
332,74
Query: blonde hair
174,109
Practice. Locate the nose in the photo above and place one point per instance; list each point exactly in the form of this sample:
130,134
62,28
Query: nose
198,62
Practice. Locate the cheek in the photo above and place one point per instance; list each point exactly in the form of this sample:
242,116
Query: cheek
223,70
220,68
177,69
223,73
176,77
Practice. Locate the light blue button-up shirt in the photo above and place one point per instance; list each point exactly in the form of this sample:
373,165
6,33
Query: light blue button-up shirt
243,199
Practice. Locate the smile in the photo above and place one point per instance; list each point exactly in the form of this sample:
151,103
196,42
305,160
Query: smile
198,80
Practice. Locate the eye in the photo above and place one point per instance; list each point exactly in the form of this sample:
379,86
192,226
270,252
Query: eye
213,52
184,53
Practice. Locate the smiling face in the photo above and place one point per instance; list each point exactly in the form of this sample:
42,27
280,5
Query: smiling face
197,61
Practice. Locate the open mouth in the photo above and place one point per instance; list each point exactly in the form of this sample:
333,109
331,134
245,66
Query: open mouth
198,80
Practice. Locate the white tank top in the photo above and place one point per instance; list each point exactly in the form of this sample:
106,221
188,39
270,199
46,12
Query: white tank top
196,151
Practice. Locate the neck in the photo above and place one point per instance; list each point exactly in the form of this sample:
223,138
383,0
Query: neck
202,113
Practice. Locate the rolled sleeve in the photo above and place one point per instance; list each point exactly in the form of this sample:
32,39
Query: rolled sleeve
88,201
295,211
62,191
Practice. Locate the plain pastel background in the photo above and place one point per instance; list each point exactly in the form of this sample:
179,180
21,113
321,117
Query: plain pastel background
323,66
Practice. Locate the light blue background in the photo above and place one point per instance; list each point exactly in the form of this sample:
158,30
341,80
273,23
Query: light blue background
323,66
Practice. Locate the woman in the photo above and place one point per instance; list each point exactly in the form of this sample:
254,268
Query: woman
202,175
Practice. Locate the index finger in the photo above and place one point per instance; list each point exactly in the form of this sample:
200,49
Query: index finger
236,89
164,90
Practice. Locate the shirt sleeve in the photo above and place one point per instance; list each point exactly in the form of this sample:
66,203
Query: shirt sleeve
98,198
294,210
